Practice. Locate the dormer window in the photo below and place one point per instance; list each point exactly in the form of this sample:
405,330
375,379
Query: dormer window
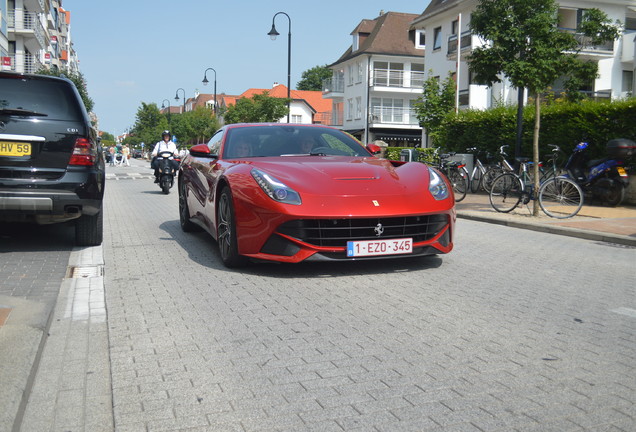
420,39
356,44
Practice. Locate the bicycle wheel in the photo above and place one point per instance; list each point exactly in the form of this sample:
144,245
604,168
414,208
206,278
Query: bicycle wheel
459,181
475,181
560,197
489,177
505,193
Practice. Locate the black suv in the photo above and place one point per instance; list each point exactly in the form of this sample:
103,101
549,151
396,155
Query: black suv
51,166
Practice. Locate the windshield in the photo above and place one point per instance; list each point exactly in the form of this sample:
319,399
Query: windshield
43,98
286,140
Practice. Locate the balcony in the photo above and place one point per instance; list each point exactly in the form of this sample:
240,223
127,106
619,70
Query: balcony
586,48
465,44
333,87
393,116
30,65
398,79
28,27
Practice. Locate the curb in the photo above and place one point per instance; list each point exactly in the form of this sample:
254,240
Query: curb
553,229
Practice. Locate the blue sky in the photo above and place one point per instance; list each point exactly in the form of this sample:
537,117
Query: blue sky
144,50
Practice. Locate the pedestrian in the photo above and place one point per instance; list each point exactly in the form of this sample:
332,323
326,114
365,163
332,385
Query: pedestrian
125,154
111,152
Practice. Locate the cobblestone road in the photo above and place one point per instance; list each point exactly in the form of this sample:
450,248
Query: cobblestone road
514,330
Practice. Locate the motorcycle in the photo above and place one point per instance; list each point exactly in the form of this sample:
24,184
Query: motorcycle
604,179
167,171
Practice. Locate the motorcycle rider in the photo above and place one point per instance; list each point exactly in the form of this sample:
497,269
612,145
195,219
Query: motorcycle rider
165,145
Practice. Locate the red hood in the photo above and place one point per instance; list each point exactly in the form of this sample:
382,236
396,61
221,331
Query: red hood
337,185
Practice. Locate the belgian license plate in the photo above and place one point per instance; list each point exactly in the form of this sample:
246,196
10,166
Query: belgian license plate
379,247
8,148
621,171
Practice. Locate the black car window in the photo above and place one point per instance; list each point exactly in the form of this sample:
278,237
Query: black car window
286,140
52,99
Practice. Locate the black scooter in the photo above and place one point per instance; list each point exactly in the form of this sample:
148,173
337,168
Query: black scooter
165,162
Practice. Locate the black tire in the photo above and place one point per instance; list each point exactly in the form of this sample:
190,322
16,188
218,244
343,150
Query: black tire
489,176
560,198
475,182
226,231
166,184
459,182
505,193
89,230
611,192
184,212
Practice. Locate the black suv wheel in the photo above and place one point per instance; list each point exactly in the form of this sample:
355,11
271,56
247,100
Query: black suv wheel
51,166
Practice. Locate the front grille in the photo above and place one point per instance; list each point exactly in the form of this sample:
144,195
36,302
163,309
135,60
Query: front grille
337,232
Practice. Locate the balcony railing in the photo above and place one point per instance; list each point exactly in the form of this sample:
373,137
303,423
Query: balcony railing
393,115
30,21
465,42
333,85
31,64
398,78
585,42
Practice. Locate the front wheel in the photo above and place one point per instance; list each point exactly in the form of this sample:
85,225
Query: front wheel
506,192
560,197
166,183
489,176
475,182
184,212
226,231
458,178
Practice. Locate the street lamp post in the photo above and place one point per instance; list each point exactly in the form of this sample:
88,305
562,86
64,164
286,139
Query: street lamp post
176,97
205,82
272,34
163,106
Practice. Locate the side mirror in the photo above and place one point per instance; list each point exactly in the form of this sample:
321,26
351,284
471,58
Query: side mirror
374,149
201,150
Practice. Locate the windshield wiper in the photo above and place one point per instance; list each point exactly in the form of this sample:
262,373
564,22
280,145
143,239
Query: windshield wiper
22,112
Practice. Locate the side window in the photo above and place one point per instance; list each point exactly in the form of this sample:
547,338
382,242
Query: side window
215,142
437,38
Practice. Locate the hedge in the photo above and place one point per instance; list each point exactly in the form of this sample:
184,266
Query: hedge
564,124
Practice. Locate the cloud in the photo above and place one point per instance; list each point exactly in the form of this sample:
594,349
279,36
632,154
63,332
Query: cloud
126,84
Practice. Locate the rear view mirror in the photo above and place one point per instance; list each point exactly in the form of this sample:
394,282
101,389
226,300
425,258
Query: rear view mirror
201,150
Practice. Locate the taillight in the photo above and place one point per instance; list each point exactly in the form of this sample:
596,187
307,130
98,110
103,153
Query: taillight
83,153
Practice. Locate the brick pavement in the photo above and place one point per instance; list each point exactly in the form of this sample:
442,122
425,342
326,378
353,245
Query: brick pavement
435,344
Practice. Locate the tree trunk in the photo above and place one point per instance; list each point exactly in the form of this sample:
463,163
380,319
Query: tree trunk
535,152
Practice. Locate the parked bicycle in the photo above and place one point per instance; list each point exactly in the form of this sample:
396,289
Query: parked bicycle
559,197
502,166
479,170
456,173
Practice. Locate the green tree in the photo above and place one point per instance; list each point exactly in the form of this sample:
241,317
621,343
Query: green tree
312,78
436,102
106,136
260,108
149,123
79,81
526,46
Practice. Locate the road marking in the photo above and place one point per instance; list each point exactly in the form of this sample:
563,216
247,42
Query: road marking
625,311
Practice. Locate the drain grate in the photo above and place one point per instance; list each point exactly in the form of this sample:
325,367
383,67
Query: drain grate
85,272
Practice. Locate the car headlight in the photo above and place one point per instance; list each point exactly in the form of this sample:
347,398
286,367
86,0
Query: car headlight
275,189
437,186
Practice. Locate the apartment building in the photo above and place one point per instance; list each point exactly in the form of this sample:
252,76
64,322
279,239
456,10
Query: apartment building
38,36
444,26
377,81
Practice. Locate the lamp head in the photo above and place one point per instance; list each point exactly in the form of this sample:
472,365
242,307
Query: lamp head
205,80
273,33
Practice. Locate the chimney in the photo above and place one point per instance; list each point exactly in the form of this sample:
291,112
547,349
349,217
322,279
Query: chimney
275,84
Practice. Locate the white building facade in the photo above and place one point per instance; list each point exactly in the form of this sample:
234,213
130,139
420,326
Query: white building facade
38,36
376,82
444,26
